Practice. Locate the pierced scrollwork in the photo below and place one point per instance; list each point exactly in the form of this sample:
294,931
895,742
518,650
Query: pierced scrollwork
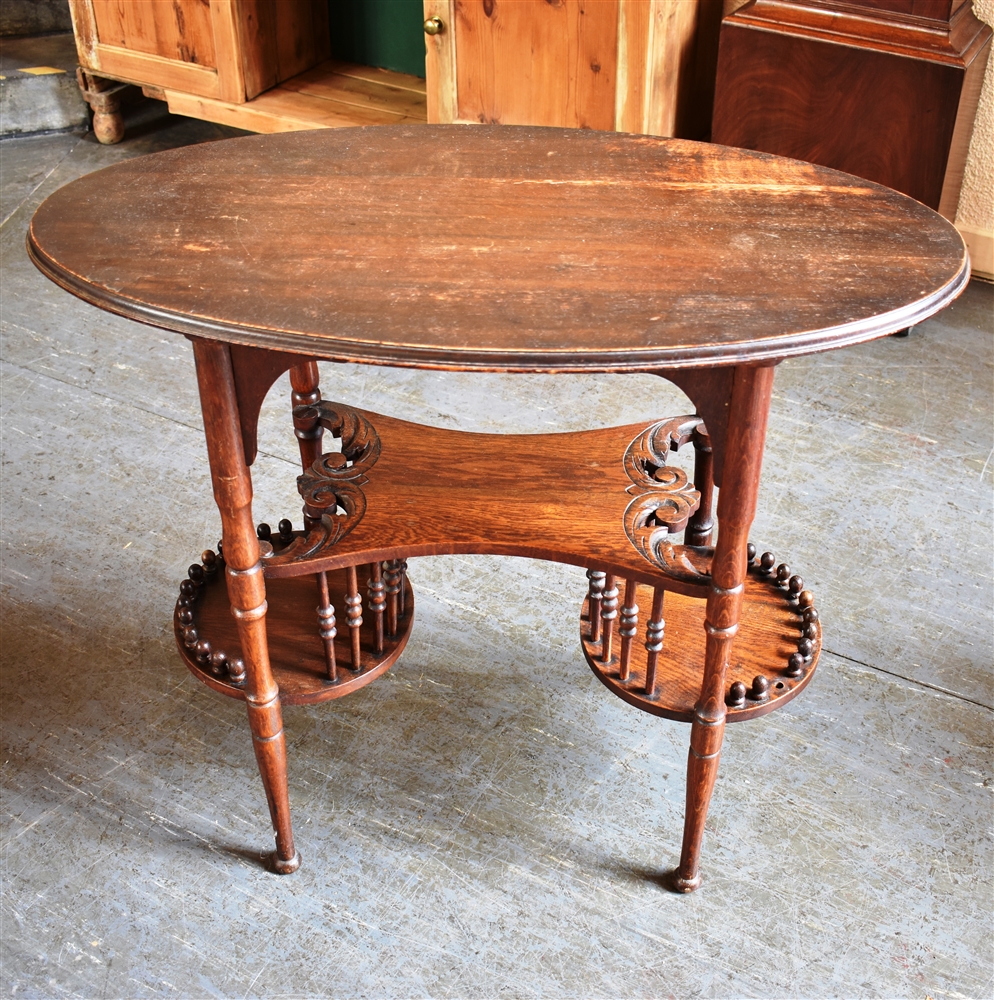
690,563
332,487
664,499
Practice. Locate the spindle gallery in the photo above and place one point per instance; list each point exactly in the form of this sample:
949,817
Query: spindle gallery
500,249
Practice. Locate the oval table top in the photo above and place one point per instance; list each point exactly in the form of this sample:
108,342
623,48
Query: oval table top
499,248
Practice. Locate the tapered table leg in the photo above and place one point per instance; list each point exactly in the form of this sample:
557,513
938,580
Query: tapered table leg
748,413
246,584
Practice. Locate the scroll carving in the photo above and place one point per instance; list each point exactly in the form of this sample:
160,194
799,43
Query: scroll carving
332,487
664,499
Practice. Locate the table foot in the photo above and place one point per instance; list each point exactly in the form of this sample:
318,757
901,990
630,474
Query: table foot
207,634
285,866
681,884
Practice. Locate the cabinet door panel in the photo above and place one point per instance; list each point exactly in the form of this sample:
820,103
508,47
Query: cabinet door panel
169,30
535,62
631,65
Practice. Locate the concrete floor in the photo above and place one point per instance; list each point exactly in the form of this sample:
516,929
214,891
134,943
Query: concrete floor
31,103
485,820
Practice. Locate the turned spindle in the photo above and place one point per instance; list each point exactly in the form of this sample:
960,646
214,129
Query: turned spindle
806,600
654,640
186,617
628,628
391,579
209,561
326,626
609,611
218,662
236,670
263,532
596,591
766,563
402,598
377,603
805,647
202,649
190,637
286,531
783,574
701,524
305,381
794,587
750,554
353,614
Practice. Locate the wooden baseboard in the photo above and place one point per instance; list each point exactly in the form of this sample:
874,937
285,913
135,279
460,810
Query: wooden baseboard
980,243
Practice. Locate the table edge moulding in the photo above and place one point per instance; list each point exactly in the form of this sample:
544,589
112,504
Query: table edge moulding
505,249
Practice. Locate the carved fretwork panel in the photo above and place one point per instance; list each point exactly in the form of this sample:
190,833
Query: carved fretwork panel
664,499
332,487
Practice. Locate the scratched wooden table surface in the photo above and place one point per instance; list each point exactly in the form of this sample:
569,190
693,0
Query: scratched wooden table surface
500,249
871,792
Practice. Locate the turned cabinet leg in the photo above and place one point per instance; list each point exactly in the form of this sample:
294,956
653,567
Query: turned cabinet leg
246,584
104,98
747,419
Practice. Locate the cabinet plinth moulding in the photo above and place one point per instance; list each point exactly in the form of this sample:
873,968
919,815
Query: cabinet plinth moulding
884,89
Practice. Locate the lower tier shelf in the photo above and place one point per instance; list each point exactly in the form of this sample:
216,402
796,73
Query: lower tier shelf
773,659
774,654
296,650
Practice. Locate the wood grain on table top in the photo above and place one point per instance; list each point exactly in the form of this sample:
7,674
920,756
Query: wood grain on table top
499,247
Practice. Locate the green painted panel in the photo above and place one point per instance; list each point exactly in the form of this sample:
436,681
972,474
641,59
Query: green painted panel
385,33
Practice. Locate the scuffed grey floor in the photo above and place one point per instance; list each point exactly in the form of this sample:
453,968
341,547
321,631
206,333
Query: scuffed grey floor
485,820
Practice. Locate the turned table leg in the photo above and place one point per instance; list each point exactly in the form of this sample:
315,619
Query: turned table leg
750,404
246,584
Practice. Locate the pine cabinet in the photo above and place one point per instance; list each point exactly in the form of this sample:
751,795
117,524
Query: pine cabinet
261,65
628,65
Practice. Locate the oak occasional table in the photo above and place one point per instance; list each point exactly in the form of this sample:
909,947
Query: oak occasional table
497,249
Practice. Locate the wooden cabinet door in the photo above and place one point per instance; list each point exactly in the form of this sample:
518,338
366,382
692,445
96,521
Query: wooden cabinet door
627,65
230,50
191,47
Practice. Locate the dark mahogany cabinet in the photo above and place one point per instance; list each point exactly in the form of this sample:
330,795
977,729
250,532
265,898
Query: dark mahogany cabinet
884,89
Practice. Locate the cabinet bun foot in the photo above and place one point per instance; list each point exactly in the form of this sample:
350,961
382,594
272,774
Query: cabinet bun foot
108,127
